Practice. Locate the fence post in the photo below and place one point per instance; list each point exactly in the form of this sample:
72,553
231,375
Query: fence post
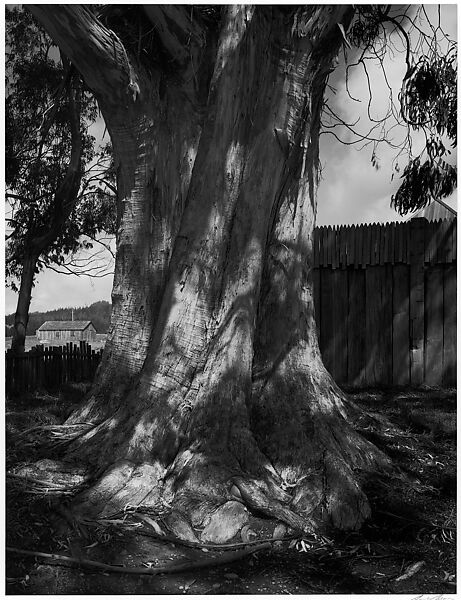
9,370
417,300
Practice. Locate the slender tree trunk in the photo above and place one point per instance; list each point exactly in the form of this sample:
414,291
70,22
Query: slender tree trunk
64,201
229,411
21,318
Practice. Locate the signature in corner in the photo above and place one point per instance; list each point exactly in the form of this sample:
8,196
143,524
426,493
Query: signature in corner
430,597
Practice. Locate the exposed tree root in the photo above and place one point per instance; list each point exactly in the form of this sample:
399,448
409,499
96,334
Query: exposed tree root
53,428
171,568
164,537
45,483
210,498
297,460
46,475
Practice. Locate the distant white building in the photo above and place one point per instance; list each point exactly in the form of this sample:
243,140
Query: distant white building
53,332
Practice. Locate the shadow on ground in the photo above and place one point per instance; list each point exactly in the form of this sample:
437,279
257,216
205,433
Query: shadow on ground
411,535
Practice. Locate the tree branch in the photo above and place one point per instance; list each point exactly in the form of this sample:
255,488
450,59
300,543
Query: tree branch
406,39
170,568
66,195
175,40
95,50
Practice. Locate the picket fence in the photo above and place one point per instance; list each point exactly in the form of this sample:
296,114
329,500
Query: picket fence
385,301
50,367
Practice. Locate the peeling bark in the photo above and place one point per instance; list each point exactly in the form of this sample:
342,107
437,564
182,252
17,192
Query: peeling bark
228,402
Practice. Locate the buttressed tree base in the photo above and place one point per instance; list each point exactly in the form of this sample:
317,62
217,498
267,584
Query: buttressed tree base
212,398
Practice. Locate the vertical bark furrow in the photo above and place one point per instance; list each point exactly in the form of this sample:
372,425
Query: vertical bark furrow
213,305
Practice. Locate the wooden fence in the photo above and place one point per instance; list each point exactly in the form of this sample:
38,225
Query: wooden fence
385,300
49,367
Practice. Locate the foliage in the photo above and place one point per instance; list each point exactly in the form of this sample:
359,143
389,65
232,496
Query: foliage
427,103
38,149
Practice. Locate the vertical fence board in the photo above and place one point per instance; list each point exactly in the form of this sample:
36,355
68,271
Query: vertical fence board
377,244
330,238
449,244
356,331
383,241
397,243
399,249
449,325
405,245
402,233
386,323
356,259
340,250
427,242
339,323
372,320
389,244
433,309
317,302
379,325
334,253
416,247
400,326
324,242
441,238
372,258
365,244
337,248
327,332
446,243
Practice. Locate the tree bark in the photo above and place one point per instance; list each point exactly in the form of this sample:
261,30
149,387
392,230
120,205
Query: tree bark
229,410
154,120
21,317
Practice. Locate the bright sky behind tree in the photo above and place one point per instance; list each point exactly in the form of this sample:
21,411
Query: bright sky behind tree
352,190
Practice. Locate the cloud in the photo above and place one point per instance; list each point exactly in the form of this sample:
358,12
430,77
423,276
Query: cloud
352,190
55,291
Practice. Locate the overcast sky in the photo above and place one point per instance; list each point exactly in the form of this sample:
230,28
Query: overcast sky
352,191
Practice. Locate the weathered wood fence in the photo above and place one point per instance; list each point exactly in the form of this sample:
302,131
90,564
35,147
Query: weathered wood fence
385,299
49,367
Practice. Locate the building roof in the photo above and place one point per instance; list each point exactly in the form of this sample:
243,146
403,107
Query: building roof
64,325
434,211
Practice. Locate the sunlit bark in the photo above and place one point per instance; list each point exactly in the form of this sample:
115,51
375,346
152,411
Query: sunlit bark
213,325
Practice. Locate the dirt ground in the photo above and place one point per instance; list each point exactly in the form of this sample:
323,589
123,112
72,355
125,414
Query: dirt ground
408,546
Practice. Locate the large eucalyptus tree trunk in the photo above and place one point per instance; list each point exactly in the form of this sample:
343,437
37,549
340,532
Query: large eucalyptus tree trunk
212,396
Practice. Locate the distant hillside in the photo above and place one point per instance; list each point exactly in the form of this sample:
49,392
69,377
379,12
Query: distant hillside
98,313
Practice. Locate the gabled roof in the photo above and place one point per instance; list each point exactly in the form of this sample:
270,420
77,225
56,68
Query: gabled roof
64,326
435,211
